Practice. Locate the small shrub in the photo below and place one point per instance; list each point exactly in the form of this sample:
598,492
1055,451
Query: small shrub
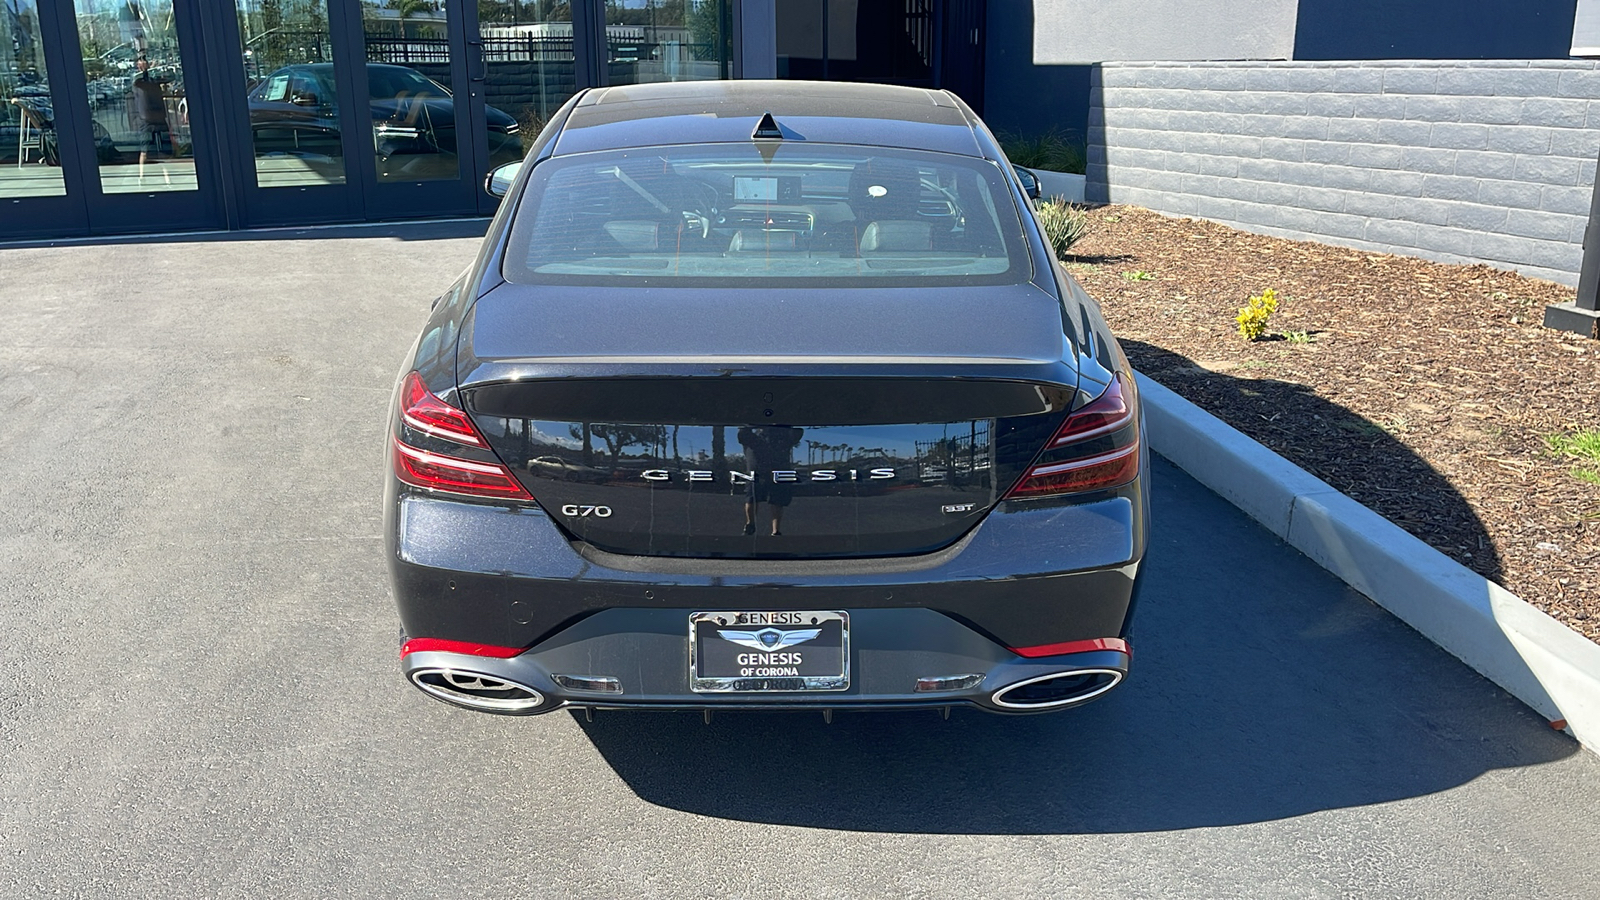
529,124
1064,224
1057,151
1252,319
1139,275
1297,337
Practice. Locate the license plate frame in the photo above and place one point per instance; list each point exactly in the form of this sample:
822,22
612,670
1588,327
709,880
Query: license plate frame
714,658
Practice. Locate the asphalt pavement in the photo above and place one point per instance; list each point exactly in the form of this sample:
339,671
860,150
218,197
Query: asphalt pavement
199,692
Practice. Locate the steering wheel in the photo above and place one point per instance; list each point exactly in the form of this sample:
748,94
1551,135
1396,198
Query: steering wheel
704,212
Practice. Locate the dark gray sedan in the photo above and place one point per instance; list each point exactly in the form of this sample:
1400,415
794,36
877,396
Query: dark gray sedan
856,439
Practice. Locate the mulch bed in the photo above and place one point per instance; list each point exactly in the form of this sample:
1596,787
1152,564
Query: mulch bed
1423,390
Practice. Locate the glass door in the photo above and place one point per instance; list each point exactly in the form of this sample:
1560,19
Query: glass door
418,109
30,165
534,56
668,40
34,196
131,116
292,114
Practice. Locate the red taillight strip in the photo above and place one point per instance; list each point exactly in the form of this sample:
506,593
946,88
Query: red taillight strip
455,475
1085,463
1117,644
1096,473
411,419
1107,413
427,413
417,645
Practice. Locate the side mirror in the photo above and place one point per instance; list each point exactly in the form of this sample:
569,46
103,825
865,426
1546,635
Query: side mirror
499,181
1030,182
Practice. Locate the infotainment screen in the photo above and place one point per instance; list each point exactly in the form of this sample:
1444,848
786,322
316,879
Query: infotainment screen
763,188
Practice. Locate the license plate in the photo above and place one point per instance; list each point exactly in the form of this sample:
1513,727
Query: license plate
755,652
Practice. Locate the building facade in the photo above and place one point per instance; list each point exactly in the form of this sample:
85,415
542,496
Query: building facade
130,116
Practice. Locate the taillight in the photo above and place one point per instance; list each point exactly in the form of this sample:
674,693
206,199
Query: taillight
426,415
1096,448
458,476
430,415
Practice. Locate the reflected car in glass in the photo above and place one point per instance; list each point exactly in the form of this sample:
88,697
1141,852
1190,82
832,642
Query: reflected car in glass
765,395
294,113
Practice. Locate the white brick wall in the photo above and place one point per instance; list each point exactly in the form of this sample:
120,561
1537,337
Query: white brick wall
1464,161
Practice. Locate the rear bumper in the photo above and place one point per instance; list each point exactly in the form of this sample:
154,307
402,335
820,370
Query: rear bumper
1029,574
636,658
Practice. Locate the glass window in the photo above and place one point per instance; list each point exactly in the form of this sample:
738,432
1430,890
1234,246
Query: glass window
138,101
408,73
724,214
668,40
294,110
529,71
849,40
29,164
274,89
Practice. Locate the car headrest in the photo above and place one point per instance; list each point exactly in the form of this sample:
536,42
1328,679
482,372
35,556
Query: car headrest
883,189
757,240
896,234
635,236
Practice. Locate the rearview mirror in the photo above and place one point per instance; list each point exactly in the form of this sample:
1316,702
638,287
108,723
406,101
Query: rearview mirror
1030,182
499,181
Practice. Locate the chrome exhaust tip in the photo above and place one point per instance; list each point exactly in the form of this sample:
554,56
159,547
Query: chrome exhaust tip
1057,689
476,690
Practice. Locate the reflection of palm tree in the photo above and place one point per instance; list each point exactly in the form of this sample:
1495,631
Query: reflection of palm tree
719,451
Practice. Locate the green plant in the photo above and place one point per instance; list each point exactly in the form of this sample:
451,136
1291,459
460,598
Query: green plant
1064,224
1138,275
1252,319
1298,337
1581,445
1058,151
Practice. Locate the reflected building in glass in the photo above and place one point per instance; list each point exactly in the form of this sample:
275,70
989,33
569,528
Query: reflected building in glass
199,114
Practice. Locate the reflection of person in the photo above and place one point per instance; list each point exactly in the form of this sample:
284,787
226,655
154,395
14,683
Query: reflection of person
768,449
148,106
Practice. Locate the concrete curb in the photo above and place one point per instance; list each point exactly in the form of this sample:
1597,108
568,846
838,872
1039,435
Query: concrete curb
1537,659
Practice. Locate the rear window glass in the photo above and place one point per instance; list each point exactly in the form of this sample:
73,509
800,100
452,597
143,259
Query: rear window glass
792,215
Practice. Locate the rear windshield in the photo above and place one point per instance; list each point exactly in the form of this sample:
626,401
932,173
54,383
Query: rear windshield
792,215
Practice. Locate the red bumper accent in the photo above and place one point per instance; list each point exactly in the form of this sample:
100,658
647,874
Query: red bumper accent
1117,644
420,644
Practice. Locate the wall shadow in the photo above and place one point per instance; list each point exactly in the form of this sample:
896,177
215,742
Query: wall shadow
1369,463
1262,688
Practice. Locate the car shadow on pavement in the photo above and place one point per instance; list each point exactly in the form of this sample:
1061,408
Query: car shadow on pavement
1262,688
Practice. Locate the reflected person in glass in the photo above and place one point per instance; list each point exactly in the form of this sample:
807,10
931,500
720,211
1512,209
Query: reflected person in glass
147,110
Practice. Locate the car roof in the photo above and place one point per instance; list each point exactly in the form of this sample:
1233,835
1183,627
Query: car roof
831,112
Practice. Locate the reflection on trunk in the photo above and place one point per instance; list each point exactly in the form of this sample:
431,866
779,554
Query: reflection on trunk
843,490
